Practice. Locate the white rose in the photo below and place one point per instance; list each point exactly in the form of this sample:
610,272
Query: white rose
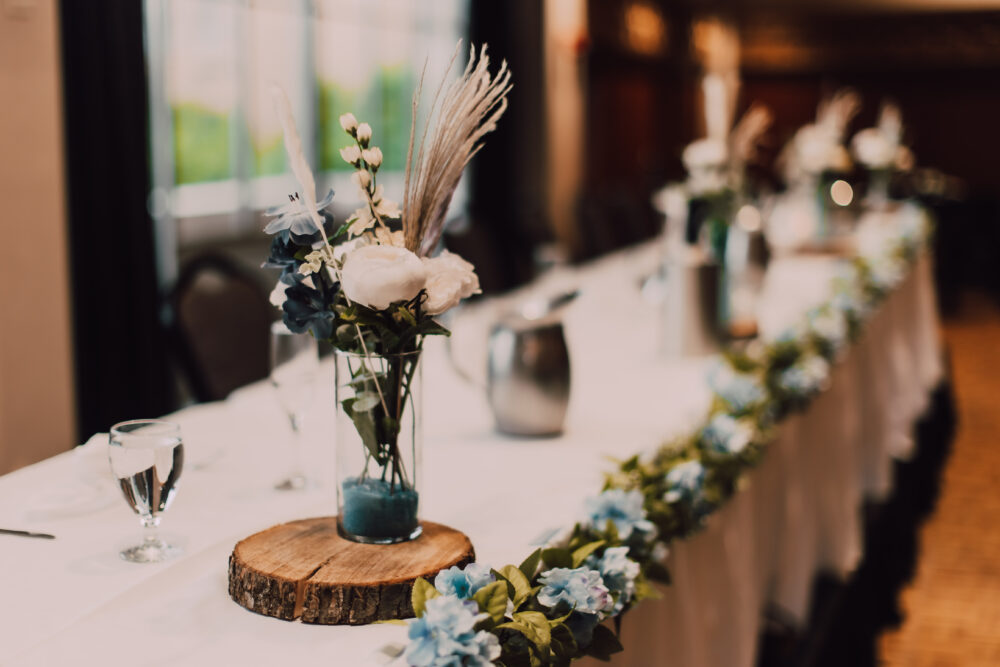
449,280
373,156
349,123
379,275
351,154
364,133
873,149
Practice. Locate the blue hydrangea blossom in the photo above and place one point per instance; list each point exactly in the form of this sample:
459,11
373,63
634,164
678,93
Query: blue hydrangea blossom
463,583
829,325
740,390
806,377
725,435
623,508
685,481
581,589
618,572
445,636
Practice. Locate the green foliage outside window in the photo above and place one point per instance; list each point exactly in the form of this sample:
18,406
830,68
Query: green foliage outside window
386,100
202,136
201,144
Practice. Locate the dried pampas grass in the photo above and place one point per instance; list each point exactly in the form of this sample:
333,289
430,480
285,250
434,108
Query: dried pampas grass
748,133
455,127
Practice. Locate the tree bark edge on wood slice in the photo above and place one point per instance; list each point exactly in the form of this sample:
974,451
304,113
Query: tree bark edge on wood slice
305,569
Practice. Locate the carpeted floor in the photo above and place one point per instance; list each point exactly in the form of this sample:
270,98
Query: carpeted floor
951,609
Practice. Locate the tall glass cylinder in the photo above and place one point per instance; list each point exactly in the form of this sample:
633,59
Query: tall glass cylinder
379,421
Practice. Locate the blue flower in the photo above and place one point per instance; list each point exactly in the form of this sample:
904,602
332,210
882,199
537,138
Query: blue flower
463,583
305,309
623,508
580,589
829,325
445,636
725,435
619,573
684,482
806,377
740,390
294,221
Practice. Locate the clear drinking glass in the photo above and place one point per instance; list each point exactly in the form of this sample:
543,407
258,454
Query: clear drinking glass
294,364
147,456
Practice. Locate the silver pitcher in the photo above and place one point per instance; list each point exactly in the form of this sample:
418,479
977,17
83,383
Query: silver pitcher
528,373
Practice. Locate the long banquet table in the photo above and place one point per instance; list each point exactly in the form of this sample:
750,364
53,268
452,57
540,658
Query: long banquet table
73,600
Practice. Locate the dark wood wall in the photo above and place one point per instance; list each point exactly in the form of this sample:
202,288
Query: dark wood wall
942,68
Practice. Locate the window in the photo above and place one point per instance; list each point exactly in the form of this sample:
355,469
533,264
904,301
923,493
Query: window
218,157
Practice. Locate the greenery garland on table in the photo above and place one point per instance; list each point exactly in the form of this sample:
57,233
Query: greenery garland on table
549,610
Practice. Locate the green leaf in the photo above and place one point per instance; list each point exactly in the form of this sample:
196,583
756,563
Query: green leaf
364,424
535,628
604,644
520,583
365,401
492,599
539,626
581,554
530,564
557,557
423,591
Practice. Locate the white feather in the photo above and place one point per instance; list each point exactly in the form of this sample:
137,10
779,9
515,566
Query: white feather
296,156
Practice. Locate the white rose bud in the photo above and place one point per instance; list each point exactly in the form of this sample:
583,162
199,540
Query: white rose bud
449,280
379,275
362,179
364,133
351,154
373,156
349,123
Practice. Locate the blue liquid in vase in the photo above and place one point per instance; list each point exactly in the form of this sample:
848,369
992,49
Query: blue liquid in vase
375,511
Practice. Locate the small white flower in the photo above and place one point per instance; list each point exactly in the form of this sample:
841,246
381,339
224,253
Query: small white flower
364,133
351,154
361,221
349,123
378,275
362,179
384,237
278,296
315,260
385,207
373,156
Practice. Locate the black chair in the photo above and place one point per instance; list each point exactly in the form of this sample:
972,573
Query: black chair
219,324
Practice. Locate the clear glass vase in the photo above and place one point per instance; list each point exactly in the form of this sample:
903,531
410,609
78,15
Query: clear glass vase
379,420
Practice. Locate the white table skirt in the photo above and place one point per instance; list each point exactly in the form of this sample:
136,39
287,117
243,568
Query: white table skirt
797,513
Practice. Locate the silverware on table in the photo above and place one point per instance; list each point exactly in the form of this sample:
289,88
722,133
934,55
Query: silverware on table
26,533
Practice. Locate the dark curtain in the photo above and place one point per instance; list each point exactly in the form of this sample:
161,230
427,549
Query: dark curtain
121,364
507,199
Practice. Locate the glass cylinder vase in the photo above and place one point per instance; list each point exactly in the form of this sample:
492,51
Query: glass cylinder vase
379,420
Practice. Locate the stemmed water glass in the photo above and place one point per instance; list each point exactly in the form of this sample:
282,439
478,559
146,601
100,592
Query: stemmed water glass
294,364
147,456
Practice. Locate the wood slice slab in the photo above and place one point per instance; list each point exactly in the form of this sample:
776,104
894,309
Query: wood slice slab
305,569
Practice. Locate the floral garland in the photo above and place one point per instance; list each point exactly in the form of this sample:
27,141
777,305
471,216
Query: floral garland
549,610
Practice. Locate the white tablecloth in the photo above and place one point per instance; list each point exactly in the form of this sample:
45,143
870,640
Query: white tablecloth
72,599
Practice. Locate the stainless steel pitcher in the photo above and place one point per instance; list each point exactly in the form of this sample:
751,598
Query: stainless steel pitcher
528,375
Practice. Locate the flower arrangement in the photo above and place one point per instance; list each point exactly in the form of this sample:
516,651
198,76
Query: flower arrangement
555,606
373,285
